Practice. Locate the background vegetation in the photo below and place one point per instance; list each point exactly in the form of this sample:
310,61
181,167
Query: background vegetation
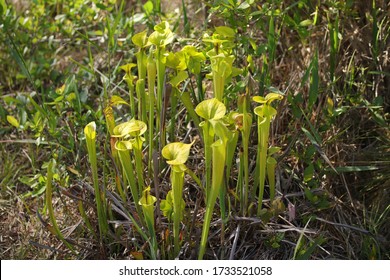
61,65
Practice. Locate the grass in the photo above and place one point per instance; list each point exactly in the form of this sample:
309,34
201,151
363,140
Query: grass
322,195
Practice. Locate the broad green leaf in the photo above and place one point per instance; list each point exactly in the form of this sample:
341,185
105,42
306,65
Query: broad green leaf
225,31
176,153
3,7
273,150
211,109
90,130
148,7
308,173
306,22
13,121
243,6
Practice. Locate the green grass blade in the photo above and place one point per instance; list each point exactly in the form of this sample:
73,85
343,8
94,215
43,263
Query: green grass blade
15,53
314,82
49,203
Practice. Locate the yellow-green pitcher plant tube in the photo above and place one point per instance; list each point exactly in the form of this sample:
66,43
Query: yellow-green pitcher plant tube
141,95
244,123
230,121
123,148
161,37
221,65
133,131
193,60
176,61
221,58
129,78
147,202
271,166
176,155
110,122
210,110
90,136
265,113
219,149
141,41
219,155
152,72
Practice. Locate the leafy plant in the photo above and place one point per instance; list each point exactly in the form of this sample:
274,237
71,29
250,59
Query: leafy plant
147,202
160,38
90,137
219,148
141,41
176,155
197,89
265,113
210,110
